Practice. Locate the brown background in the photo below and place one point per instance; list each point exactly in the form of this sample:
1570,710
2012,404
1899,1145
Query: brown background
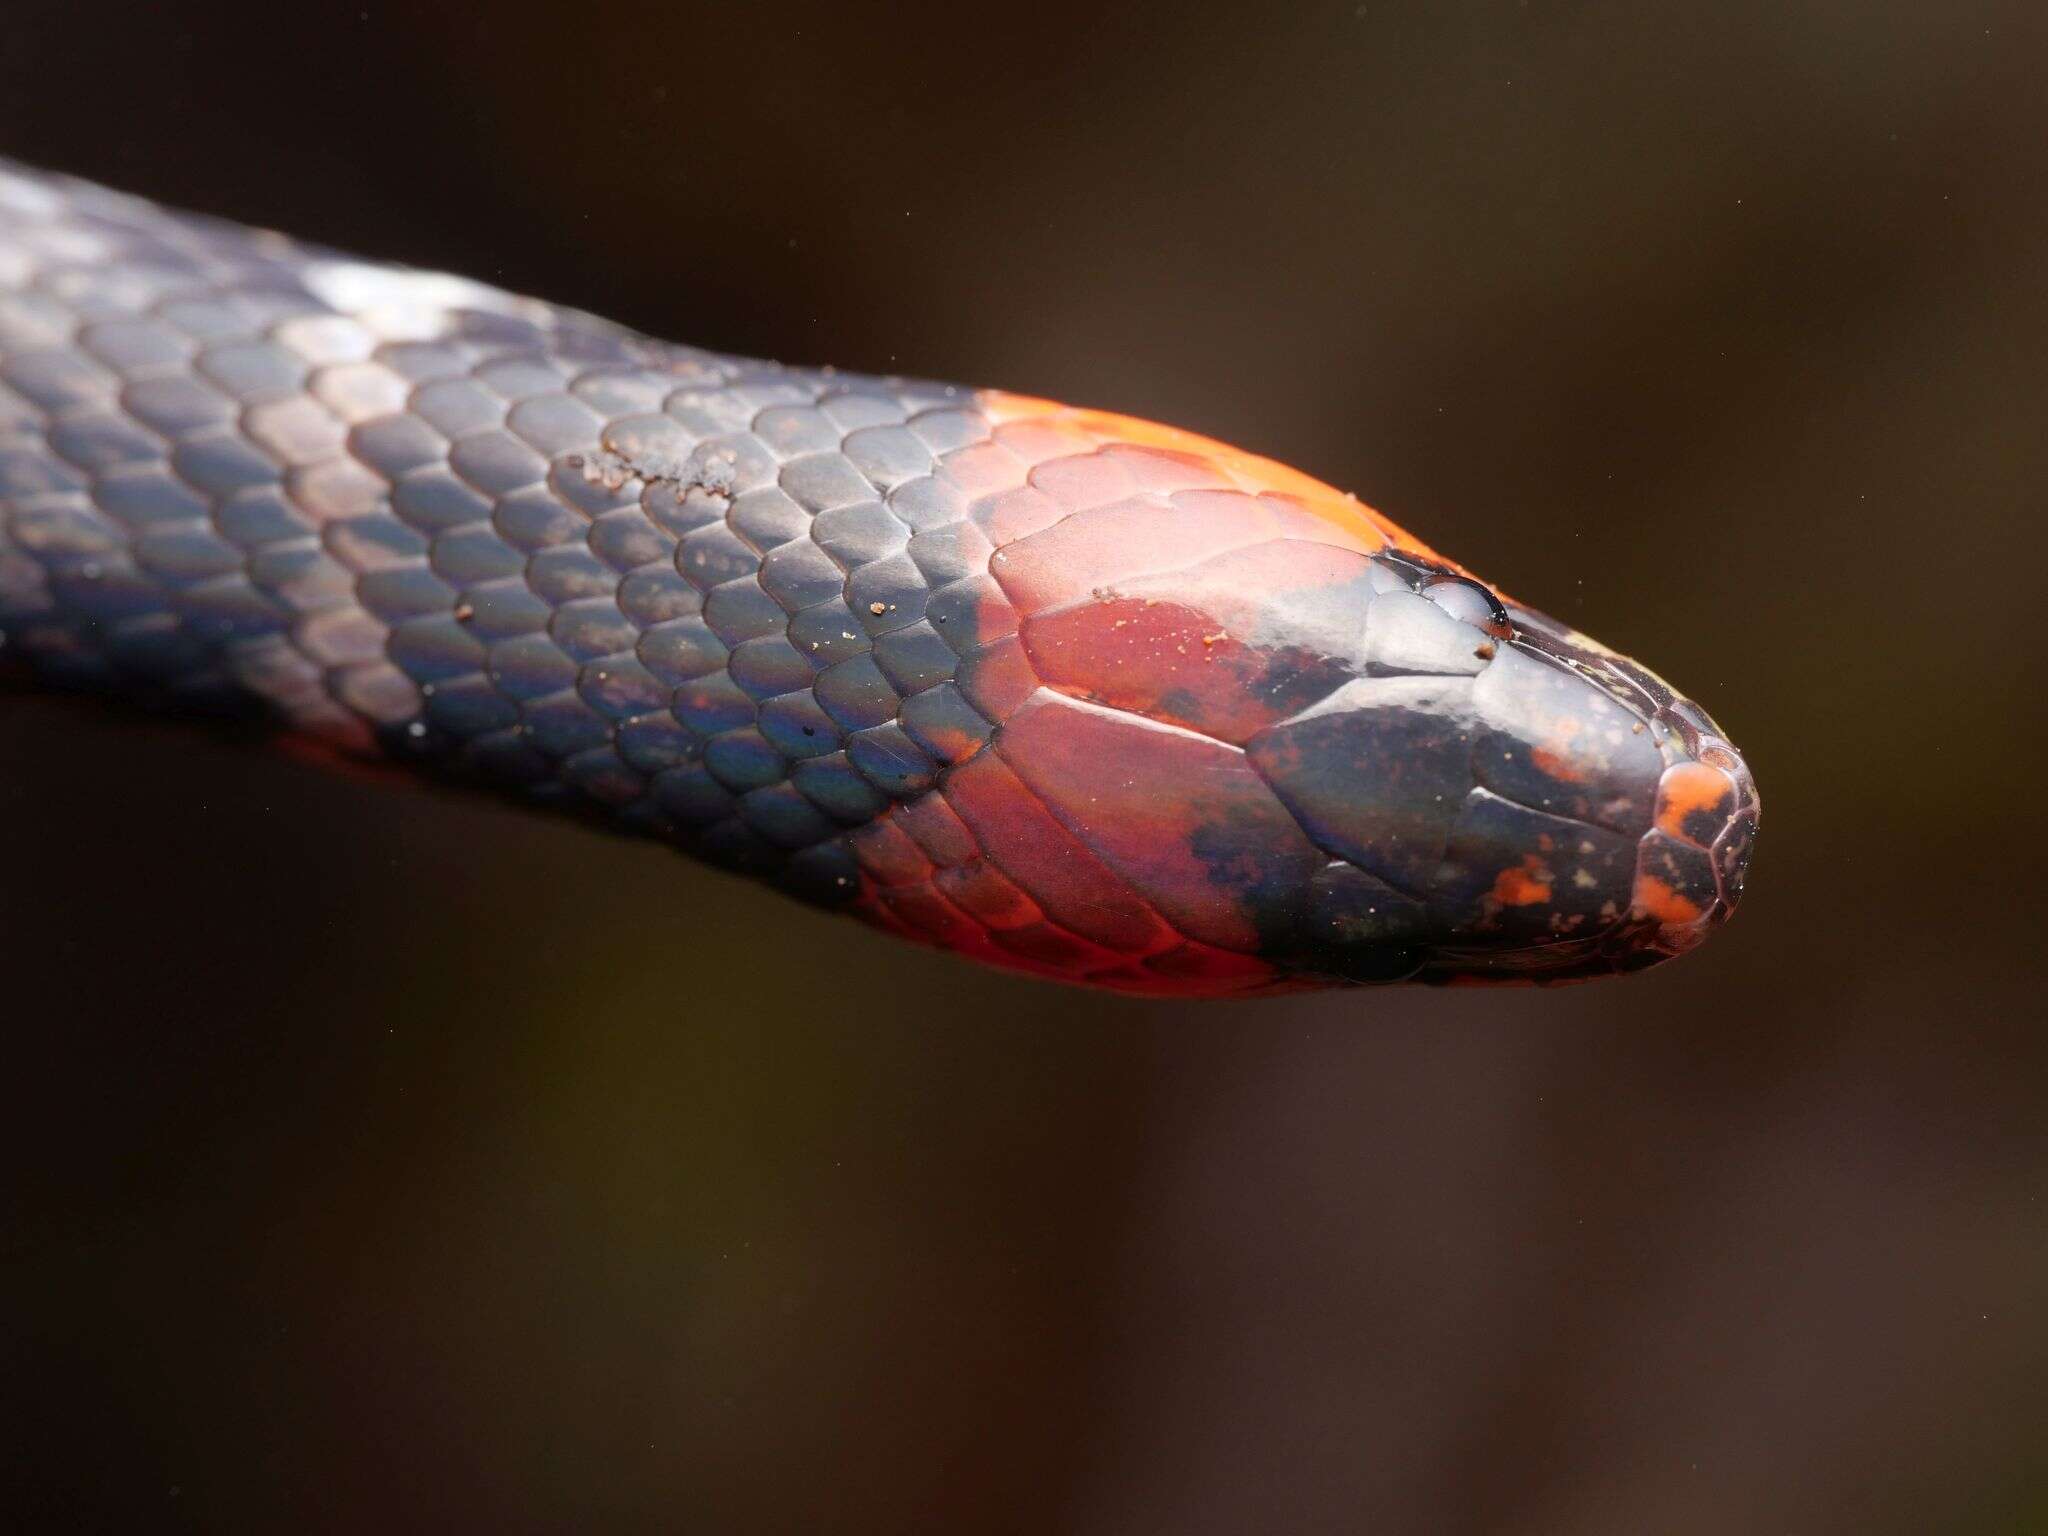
394,1163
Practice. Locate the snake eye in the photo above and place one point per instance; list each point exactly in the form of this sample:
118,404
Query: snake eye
1468,602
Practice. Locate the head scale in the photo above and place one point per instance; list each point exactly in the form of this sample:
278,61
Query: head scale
1340,753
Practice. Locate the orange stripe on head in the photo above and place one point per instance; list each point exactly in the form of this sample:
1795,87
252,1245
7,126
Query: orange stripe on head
1359,525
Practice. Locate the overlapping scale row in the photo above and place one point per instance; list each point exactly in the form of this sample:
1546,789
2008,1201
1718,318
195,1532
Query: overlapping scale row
1058,689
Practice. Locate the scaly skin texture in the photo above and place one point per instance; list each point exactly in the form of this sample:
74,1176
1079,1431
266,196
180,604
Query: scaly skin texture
1063,691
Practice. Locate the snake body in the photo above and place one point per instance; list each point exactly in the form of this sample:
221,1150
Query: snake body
1061,690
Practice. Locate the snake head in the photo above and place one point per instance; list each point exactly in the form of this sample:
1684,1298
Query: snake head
1506,800
1362,765
1242,733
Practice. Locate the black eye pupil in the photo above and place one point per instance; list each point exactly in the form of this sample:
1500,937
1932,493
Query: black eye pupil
1470,603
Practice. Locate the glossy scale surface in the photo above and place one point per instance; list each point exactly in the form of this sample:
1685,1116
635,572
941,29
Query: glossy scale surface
1057,689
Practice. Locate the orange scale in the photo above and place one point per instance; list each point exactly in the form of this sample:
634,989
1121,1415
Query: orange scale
1694,795
1083,480
926,913
998,678
1209,523
1242,588
1656,898
1036,439
1139,536
983,891
1059,952
980,469
1346,515
888,853
1159,659
1293,520
871,909
905,916
1181,818
939,832
947,740
1528,884
1168,469
1023,840
1017,513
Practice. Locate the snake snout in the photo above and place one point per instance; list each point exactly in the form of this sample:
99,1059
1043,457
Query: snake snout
1590,734
1691,864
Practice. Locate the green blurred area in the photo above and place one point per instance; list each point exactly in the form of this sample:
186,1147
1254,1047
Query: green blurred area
390,1162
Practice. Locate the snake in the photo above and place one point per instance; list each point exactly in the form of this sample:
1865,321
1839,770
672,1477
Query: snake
1056,689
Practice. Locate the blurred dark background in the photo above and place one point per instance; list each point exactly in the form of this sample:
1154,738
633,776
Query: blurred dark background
388,1163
